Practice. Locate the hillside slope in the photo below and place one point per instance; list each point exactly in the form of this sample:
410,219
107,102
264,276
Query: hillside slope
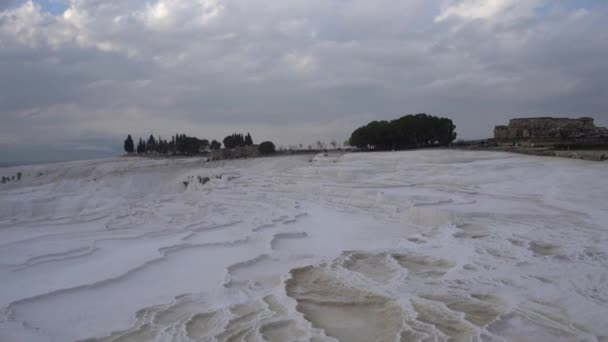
357,247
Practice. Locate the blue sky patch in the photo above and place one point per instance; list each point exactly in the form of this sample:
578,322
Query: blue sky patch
53,6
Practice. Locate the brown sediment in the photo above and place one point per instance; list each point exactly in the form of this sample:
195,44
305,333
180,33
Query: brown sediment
476,311
423,266
342,311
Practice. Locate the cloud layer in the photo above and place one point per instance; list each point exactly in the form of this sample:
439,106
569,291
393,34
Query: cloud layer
294,71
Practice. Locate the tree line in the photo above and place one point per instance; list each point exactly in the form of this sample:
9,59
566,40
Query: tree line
179,144
407,132
236,140
183,144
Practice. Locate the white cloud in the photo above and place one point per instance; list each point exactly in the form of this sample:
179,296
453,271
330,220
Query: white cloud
301,63
579,13
177,14
209,67
28,25
485,9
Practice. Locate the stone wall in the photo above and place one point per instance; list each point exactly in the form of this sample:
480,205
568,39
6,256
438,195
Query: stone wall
550,129
501,132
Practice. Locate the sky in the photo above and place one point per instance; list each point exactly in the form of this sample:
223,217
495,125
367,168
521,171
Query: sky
77,76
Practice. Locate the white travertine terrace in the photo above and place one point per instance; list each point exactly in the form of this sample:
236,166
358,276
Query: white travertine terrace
421,245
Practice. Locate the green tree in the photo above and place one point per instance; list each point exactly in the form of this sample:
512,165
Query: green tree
248,140
128,145
409,131
141,146
216,145
151,146
235,140
267,147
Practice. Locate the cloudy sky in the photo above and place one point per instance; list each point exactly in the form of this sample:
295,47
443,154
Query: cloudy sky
77,75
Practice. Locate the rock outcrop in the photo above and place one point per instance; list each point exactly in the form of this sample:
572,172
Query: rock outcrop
551,129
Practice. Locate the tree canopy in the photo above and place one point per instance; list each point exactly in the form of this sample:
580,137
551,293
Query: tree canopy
215,145
237,140
267,147
179,144
129,145
409,131
190,145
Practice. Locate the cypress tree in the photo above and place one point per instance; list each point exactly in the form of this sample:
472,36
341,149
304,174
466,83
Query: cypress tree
128,145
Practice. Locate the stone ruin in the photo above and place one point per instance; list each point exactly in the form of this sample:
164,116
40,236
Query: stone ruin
551,129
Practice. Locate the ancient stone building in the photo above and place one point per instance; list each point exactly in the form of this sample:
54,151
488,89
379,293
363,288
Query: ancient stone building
550,129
